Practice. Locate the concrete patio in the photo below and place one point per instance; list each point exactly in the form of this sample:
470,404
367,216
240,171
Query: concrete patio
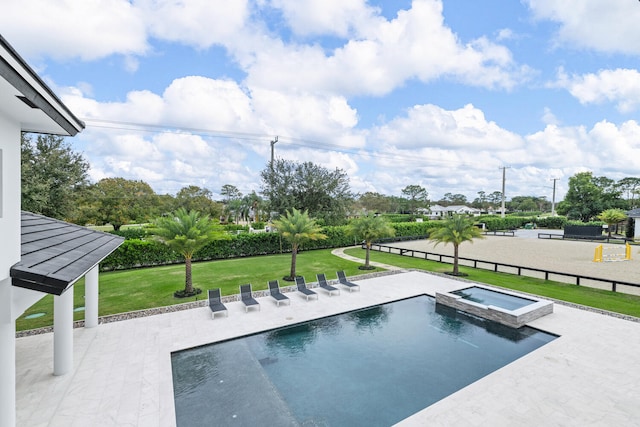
122,370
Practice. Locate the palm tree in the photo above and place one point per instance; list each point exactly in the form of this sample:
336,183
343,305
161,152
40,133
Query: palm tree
612,217
297,227
456,230
186,232
369,228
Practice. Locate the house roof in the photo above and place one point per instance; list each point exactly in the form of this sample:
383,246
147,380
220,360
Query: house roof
634,213
26,99
55,254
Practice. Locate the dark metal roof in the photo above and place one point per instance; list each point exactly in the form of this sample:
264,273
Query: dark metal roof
55,254
635,213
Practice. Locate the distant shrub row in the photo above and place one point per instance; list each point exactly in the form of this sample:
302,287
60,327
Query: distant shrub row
495,222
140,250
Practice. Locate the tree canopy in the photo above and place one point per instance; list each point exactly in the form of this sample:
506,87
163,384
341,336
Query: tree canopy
456,230
324,193
587,196
417,197
297,227
53,176
194,198
186,232
369,228
612,217
119,201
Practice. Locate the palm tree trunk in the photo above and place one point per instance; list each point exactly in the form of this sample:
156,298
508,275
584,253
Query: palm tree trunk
188,285
294,253
455,260
366,258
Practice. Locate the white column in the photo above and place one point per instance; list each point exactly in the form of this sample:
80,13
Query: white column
63,332
91,298
7,371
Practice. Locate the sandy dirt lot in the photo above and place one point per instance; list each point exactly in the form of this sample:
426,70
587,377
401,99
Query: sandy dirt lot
562,256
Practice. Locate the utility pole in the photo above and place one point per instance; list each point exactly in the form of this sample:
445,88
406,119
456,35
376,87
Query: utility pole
504,175
272,145
553,198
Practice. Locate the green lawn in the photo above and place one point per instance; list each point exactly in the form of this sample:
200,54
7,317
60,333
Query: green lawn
130,290
139,289
605,300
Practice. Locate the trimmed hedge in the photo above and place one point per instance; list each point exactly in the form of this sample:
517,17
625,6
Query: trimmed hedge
142,252
495,222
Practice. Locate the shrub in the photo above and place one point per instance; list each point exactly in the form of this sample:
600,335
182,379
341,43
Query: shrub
139,252
554,222
131,233
495,222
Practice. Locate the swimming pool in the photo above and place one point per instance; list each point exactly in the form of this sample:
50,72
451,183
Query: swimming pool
491,297
371,367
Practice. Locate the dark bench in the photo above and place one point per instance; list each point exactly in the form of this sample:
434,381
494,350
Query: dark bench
511,233
550,236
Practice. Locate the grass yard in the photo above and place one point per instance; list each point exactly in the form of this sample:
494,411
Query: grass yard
598,298
130,290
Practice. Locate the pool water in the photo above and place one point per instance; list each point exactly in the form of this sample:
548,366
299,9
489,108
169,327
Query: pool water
491,297
372,367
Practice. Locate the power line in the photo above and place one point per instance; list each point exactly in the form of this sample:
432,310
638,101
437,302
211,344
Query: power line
291,141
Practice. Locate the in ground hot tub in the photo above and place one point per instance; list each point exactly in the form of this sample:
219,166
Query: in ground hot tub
504,307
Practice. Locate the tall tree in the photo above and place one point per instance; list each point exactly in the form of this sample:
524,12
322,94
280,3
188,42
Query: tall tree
630,186
119,201
587,196
417,196
453,199
232,202
194,198
456,230
230,192
297,228
528,203
52,176
324,193
495,198
369,228
252,204
375,202
480,202
186,233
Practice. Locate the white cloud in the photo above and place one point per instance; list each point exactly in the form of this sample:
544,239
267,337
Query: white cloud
208,103
334,17
619,86
433,127
130,130
549,118
62,30
415,45
605,26
199,23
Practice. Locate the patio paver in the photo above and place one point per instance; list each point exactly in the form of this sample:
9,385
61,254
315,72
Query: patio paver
122,370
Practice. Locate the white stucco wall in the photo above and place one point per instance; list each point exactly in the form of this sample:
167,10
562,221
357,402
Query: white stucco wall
10,217
9,255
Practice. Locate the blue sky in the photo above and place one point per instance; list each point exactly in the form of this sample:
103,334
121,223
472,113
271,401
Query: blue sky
436,93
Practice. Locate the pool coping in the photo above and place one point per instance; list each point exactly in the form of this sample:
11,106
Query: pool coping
122,370
515,318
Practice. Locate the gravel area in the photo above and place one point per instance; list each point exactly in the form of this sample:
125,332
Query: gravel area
564,256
